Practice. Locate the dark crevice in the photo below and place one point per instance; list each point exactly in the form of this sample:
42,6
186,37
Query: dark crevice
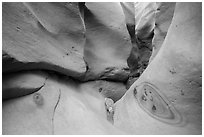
27,93
53,115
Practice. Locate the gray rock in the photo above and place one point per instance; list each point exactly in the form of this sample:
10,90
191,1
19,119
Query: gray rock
108,43
35,38
22,83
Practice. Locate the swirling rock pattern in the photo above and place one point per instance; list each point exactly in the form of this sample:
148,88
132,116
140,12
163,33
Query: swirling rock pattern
66,67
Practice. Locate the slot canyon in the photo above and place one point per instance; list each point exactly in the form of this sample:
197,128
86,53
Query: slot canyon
102,68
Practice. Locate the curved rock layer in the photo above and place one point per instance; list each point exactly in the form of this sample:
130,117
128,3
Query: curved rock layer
109,89
61,106
37,39
152,20
82,41
169,92
21,84
107,42
164,15
141,31
129,11
31,114
145,14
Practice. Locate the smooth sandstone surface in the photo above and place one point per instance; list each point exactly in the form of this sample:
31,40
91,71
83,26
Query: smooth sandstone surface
144,19
61,106
81,41
109,89
165,99
145,13
31,114
140,19
144,24
21,84
108,43
81,110
152,20
37,39
163,18
176,73
129,12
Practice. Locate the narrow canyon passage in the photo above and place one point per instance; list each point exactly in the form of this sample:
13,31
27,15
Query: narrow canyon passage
101,68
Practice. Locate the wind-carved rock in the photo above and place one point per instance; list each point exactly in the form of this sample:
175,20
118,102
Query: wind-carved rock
109,105
22,84
163,18
108,43
35,38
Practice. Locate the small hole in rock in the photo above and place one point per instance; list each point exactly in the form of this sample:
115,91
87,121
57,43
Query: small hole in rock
100,89
38,99
154,108
135,91
144,98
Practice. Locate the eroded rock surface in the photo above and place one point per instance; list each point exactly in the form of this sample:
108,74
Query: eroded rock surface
109,89
152,20
21,84
107,42
175,75
30,114
163,18
81,41
35,38
66,68
61,106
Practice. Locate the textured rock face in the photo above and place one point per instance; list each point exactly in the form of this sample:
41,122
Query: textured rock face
61,106
81,41
169,92
150,24
37,41
21,84
109,89
129,12
108,42
31,114
163,18
66,68
144,30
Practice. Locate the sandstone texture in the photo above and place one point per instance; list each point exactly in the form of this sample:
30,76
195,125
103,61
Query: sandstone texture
175,75
21,84
107,41
164,15
30,42
103,68
61,106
